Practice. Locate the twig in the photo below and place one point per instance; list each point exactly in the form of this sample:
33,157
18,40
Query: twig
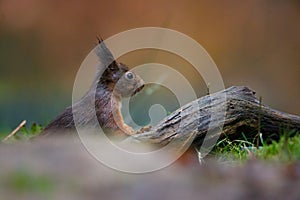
14,131
259,121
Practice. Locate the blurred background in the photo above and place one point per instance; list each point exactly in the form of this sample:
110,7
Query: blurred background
43,42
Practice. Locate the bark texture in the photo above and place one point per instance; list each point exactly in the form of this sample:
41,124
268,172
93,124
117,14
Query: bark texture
236,107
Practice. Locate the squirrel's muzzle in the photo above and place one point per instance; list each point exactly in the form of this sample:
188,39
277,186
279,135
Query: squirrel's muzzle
138,90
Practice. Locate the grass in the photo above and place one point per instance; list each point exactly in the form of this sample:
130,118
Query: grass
25,133
23,181
286,149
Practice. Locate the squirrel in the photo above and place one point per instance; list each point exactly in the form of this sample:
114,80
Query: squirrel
109,87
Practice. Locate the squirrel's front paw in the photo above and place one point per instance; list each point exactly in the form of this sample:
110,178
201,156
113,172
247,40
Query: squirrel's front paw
128,130
144,129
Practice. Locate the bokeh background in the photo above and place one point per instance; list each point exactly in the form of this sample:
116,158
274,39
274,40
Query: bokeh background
43,42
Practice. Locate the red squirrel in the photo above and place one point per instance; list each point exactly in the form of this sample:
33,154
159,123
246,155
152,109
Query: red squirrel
109,87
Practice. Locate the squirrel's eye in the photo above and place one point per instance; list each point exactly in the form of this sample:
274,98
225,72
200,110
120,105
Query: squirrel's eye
129,75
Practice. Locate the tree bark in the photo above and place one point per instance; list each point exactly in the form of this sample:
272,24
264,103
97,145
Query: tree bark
244,114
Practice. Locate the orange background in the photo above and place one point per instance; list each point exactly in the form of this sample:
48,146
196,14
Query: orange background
43,42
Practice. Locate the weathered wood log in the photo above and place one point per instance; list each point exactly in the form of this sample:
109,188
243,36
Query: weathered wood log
244,114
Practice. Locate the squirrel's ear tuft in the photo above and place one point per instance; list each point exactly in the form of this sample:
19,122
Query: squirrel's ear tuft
105,56
99,38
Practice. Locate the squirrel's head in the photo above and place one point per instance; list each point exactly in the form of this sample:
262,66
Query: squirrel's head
116,76
129,83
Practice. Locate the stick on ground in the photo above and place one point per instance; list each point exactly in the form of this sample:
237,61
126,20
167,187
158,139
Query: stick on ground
14,131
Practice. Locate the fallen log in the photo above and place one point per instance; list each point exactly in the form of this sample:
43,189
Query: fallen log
244,114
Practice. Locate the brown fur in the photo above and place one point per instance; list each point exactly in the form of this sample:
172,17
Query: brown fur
108,90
